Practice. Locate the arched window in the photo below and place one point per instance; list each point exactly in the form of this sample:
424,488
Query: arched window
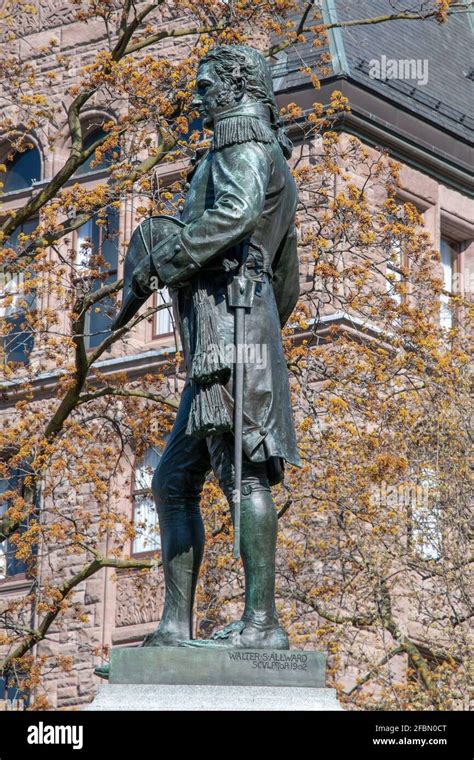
93,239
109,157
9,564
145,517
18,341
22,171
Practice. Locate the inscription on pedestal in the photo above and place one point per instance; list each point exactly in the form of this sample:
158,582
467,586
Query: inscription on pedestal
195,666
271,660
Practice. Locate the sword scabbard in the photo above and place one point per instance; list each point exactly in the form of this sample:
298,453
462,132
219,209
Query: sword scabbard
240,298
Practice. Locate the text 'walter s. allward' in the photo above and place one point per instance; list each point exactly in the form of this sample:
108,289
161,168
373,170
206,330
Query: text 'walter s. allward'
273,660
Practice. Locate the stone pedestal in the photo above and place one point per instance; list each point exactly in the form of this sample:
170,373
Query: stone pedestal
181,678
189,698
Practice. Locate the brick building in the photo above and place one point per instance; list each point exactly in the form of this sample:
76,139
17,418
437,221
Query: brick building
408,85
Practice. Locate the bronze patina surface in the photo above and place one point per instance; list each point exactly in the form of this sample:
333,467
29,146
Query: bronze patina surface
238,220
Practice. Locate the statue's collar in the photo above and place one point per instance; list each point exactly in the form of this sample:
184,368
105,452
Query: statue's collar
252,109
244,122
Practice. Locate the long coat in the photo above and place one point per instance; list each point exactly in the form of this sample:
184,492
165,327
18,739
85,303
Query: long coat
240,191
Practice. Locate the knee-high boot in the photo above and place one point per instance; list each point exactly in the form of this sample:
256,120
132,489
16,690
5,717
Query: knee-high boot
258,628
182,546
259,525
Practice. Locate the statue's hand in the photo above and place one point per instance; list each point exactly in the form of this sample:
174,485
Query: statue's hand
174,264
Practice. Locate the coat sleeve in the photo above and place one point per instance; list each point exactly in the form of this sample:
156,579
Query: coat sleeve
239,176
286,276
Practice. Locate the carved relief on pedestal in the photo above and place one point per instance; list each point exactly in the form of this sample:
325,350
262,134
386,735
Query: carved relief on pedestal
139,599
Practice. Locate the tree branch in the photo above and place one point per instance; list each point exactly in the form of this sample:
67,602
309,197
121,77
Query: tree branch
165,34
62,592
402,16
111,391
455,9
407,645
373,671
145,166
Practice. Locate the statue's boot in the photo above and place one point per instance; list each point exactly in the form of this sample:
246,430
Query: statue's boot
103,671
259,627
241,635
182,546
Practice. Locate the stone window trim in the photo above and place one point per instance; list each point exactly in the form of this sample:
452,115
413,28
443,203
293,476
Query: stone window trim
19,582
92,121
458,233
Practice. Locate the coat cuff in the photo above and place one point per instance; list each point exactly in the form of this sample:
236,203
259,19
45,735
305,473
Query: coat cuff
173,262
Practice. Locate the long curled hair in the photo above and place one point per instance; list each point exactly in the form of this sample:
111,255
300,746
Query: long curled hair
237,63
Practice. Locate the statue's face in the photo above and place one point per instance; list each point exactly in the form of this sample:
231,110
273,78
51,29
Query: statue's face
213,93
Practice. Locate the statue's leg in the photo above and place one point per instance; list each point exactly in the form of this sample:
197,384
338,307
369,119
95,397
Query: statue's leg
258,527
259,626
177,485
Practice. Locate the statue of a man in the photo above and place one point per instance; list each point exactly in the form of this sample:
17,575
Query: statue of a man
238,217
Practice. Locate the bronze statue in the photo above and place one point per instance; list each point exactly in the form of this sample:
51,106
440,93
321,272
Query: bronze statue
232,253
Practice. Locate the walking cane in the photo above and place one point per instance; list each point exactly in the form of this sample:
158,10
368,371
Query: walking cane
241,291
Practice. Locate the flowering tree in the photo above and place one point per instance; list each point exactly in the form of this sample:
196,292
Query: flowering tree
380,398
374,557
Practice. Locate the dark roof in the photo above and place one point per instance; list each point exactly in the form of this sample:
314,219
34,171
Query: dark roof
286,71
446,50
